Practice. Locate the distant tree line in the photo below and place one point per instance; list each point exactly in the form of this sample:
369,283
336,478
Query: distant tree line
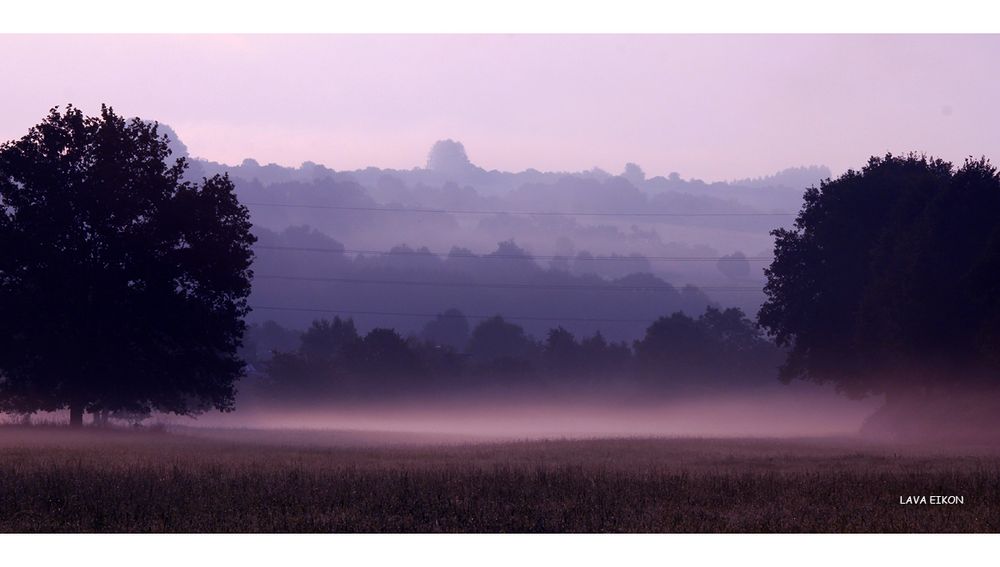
720,349
303,267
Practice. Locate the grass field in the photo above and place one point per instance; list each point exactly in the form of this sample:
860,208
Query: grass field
53,480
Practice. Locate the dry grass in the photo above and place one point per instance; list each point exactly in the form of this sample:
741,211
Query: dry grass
52,480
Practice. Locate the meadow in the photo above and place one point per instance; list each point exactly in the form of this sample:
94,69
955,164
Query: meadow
192,480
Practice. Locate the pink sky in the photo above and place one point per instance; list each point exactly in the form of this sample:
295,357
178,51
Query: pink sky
713,107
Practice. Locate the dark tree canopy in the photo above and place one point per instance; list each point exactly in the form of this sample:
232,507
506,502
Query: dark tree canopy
122,286
889,280
561,351
588,360
720,347
383,352
721,350
333,361
450,328
495,338
326,339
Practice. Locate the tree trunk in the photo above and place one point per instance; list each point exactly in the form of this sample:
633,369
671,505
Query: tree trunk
76,415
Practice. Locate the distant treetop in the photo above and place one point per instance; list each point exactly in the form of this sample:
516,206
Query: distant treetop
448,156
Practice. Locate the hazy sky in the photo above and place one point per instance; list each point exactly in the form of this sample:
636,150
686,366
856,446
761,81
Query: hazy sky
714,107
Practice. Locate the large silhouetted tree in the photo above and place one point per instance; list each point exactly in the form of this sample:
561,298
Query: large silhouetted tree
889,281
122,286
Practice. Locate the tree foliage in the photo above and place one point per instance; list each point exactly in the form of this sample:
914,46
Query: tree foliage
720,347
719,350
122,286
450,328
889,279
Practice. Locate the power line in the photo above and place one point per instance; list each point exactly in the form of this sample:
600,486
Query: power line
514,256
524,213
445,315
583,287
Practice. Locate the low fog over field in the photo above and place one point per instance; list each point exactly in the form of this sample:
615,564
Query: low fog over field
772,414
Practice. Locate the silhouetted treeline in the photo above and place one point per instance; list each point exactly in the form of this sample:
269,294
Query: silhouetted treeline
347,208
301,268
375,209
450,180
333,360
448,165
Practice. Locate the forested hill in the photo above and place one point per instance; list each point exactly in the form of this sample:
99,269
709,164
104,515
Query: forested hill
607,251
